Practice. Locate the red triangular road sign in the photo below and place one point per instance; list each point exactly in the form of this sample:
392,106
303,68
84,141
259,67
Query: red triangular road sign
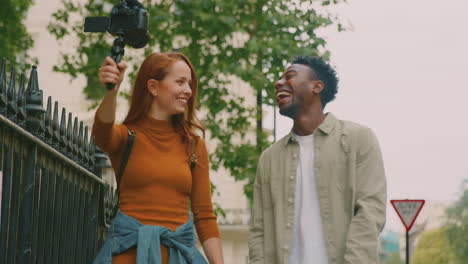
407,210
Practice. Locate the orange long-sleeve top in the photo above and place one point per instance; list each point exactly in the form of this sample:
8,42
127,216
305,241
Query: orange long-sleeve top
157,183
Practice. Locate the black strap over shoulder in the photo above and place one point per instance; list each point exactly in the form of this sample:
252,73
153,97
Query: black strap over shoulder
123,164
126,155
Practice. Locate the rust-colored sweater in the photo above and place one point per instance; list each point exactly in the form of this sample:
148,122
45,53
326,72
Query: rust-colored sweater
157,183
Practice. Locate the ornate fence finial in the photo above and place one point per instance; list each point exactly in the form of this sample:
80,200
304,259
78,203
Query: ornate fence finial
86,157
91,151
34,109
55,127
75,141
12,108
68,135
81,145
48,122
63,131
21,102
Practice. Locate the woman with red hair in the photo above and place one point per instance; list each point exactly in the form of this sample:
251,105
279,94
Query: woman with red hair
167,171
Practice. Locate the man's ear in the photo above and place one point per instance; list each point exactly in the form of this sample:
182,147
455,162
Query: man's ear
153,86
318,87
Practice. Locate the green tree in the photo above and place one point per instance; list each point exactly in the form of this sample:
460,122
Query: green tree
457,227
434,248
250,40
16,40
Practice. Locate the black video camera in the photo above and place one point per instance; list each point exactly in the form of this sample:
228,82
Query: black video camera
128,21
128,18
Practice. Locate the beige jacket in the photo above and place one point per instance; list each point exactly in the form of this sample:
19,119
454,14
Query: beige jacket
351,187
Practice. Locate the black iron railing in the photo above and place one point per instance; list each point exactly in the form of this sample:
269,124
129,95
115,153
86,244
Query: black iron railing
53,200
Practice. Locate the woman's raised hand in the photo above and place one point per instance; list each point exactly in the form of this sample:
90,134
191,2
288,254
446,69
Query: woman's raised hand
110,72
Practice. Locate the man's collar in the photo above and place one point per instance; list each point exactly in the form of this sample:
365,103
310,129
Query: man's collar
328,124
326,128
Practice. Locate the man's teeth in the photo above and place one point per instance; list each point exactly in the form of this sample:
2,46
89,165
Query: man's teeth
281,94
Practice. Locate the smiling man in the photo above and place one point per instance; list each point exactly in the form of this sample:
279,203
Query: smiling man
320,192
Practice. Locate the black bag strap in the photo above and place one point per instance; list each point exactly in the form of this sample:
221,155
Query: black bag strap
126,155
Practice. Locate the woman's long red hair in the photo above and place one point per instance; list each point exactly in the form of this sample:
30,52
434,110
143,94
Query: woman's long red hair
156,66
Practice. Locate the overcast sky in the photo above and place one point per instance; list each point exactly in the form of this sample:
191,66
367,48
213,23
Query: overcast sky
403,72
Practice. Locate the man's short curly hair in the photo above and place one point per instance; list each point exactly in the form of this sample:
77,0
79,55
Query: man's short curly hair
325,73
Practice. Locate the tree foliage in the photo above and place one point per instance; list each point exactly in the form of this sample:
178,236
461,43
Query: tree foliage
433,247
457,228
16,40
250,40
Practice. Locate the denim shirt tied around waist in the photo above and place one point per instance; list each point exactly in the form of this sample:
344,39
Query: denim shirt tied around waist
126,232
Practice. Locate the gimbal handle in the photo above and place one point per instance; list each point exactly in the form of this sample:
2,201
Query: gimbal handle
117,52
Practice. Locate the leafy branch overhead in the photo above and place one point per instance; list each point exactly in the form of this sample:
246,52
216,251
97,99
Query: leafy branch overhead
229,42
16,41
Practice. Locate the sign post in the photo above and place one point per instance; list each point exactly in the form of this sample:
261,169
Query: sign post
408,211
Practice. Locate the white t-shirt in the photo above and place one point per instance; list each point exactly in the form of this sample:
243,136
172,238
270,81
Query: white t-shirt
308,241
